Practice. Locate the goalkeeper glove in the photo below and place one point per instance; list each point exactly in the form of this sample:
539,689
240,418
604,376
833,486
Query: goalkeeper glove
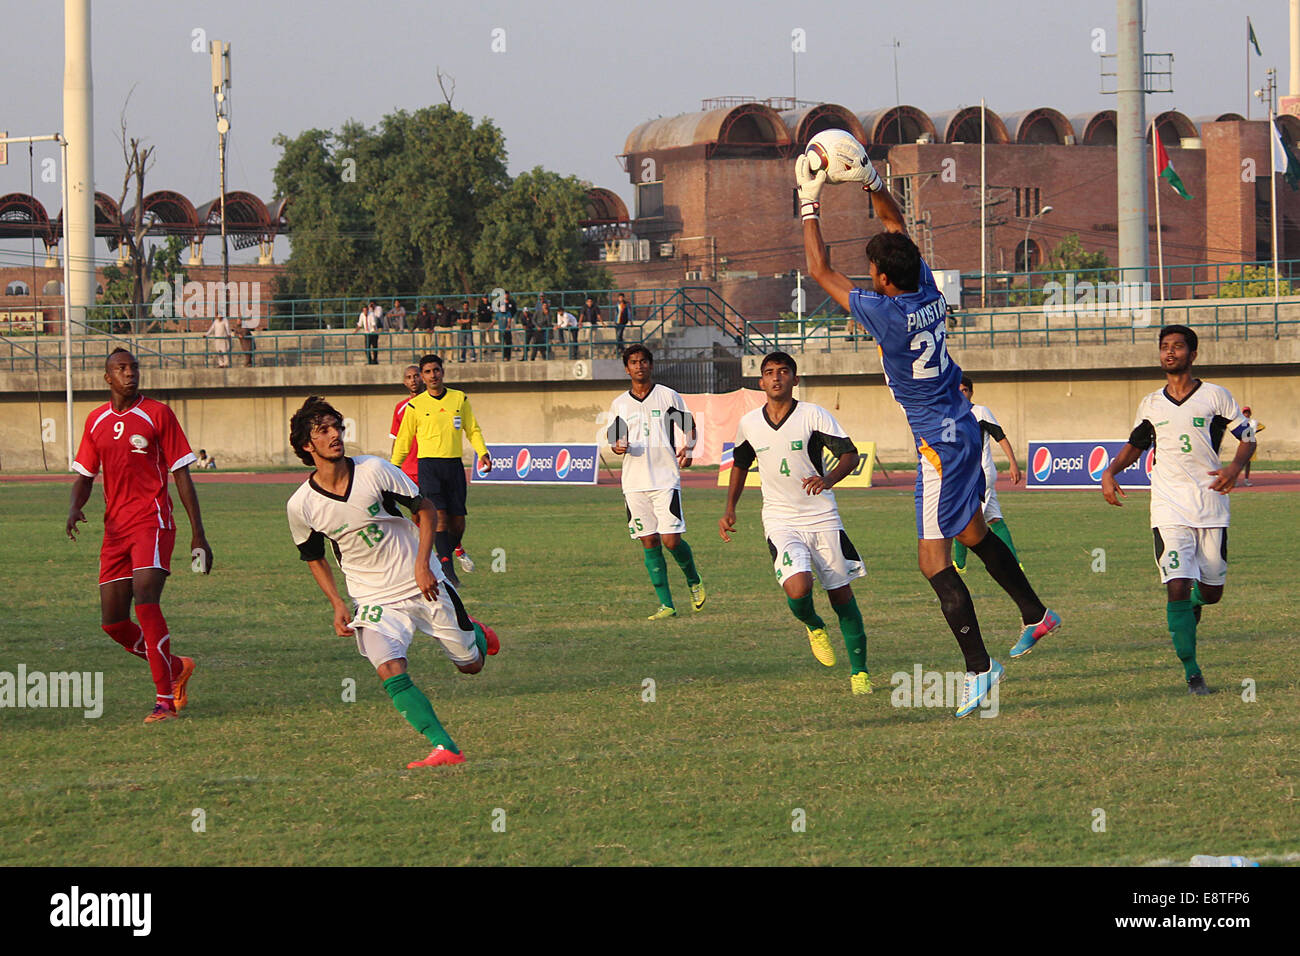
867,175
810,187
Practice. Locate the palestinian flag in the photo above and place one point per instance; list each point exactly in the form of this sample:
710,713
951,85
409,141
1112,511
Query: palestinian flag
1166,168
1284,160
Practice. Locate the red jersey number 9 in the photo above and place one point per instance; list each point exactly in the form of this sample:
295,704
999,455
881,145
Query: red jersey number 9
118,428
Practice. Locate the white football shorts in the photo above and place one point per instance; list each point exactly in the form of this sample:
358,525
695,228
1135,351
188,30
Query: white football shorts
829,555
1197,553
384,631
654,512
992,510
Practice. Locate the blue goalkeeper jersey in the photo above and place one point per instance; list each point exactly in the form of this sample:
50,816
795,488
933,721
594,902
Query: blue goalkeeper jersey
909,330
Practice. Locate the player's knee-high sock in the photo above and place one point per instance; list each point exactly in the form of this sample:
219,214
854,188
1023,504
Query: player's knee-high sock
480,641
802,608
855,634
959,554
415,707
657,568
959,612
1197,600
157,645
443,547
1182,628
685,559
999,527
1003,567
129,635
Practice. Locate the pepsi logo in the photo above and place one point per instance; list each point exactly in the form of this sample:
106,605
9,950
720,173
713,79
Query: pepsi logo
562,463
479,470
1149,460
1098,459
1041,466
523,462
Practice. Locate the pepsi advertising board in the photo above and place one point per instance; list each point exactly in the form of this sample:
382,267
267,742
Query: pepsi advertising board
1080,464
539,464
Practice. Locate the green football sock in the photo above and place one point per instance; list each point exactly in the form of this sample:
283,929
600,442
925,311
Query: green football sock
802,608
415,707
1197,600
686,561
855,635
657,568
999,528
959,554
1182,628
480,641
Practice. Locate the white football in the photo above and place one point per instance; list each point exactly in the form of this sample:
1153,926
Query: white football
839,153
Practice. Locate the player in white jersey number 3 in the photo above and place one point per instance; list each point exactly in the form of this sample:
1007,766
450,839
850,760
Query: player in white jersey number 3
396,586
1186,420
644,423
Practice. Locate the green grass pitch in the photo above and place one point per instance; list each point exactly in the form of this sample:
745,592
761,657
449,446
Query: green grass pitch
750,752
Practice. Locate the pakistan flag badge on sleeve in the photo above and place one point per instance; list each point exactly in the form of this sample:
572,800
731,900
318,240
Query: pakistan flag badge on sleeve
796,445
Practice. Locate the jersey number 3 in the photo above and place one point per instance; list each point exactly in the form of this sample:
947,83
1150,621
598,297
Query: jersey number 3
927,343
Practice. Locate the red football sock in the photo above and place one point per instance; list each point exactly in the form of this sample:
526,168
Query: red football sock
129,635
157,644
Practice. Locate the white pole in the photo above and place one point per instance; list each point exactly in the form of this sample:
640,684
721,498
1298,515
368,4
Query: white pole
1272,181
1155,184
798,298
984,246
67,310
78,126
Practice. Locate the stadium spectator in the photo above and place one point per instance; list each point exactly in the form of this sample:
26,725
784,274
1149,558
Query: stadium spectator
622,318
396,318
205,463
542,322
506,320
486,328
444,321
369,323
589,320
566,323
1255,424
465,331
423,326
137,442
219,332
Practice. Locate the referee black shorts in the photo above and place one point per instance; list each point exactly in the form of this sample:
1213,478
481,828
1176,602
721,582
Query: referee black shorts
442,481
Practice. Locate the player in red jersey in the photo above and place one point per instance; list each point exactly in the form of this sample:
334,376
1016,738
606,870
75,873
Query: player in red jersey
414,385
137,442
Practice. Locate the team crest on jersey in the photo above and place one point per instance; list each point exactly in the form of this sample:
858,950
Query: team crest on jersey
655,412
796,445
138,444
1198,422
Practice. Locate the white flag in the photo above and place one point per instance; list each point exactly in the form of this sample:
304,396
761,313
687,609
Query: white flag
1279,151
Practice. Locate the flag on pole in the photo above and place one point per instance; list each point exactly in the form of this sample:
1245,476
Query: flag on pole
1284,160
1166,168
1250,35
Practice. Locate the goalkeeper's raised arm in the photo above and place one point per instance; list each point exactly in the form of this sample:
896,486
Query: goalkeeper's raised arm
809,185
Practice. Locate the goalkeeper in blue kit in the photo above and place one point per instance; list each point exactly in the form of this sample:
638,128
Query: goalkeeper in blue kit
906,314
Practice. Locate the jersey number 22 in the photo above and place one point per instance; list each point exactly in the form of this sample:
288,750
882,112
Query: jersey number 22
927,343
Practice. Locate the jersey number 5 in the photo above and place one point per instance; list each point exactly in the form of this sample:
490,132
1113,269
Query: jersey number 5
927,343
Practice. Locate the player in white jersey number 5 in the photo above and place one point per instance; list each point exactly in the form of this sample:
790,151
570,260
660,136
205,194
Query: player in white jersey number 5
644,423
1186,420
396,585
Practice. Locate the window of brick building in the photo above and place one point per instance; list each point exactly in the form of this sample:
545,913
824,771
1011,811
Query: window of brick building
650,200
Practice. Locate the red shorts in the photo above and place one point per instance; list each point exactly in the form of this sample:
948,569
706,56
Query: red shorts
134,550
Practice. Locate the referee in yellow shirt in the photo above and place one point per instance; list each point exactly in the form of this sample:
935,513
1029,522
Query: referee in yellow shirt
438,418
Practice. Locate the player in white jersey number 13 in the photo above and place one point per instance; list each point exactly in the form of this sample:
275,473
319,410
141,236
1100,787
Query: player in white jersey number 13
800,517
392,577
1186,421
644,425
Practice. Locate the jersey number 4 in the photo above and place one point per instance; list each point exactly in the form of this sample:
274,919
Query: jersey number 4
927,343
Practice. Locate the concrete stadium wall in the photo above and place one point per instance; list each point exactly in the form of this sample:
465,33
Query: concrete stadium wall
241,415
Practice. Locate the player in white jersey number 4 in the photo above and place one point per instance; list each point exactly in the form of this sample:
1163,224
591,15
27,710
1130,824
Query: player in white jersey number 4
392,578
1189,488
800,517
644,423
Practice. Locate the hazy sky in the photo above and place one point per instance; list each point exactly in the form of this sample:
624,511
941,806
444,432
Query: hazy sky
576,77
